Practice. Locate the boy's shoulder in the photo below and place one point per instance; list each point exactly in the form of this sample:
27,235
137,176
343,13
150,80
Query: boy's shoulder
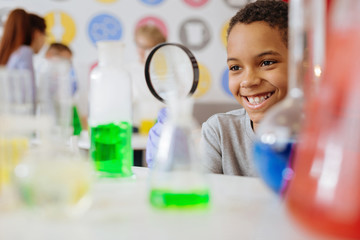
238,113
233,117
231,125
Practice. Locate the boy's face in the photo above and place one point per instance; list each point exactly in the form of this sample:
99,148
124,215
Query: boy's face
258,63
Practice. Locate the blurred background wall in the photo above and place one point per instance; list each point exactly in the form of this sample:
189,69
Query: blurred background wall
198,24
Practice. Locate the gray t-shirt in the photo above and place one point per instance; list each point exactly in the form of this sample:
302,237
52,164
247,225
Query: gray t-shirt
227,140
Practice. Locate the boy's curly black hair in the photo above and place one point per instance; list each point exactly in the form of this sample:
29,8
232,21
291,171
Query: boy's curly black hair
273,12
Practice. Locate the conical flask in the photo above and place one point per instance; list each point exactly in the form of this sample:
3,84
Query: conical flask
176,180
324,195
279,130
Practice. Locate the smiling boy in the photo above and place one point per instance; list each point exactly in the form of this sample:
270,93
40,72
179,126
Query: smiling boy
257,58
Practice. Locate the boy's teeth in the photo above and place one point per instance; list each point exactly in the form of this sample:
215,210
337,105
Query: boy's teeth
258,100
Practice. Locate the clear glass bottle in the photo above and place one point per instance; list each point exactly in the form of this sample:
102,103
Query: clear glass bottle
110,113
54,98
278,132
51,176
176,180
324,195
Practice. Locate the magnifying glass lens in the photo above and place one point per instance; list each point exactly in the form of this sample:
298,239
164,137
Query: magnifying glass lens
171,70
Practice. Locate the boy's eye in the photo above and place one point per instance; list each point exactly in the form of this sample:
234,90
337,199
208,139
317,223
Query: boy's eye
267,63
234,68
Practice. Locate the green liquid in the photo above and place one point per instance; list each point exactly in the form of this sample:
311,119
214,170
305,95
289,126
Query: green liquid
76,122
111,149
168,199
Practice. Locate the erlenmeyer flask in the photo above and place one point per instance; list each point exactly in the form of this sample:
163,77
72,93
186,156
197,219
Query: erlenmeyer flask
278,131
324,194
175,180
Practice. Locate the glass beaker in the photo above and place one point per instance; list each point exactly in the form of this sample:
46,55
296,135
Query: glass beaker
16,120
55,181
324,195
55,99
53,177
278,132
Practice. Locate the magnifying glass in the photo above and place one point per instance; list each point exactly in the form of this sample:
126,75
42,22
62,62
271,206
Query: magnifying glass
171,70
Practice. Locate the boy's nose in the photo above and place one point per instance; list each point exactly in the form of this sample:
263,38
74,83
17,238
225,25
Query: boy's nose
249,80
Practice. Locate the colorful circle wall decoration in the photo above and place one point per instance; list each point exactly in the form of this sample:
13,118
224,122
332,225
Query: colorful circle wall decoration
60,27
204,81
194,34
225,82
152,2
151,20
237,3
106,1
4,12
196,3
104,27
224,33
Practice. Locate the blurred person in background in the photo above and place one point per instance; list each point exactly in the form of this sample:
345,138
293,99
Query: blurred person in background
24,35
54,53
60,50
145,105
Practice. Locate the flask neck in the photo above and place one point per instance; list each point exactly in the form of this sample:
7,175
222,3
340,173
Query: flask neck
110,53
306,45
180,111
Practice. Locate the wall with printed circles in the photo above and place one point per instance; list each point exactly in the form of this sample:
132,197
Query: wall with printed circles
195,33
196,3
204,81
104,26
198,24
3,16
153,20
225,82
152,2
107,1
224,33
60,27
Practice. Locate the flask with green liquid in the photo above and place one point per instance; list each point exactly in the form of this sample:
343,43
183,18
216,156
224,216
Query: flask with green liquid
110,113
76,123
176,181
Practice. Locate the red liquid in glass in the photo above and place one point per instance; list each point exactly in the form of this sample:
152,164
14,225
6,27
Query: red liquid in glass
324,194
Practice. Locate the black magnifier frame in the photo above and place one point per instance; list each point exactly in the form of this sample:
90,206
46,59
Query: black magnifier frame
192,60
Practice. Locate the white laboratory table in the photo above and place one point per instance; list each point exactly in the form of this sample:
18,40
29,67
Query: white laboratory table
241,208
